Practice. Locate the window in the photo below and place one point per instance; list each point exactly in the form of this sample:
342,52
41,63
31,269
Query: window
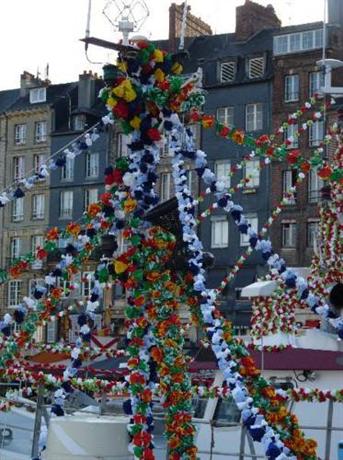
291,88
37,95
92,165
79,122
225,115
91,196
51,331
37,241
34,283
222,169
15,288
253,221
18,209
38,162
165,190
190,180
199,407
298,42
165,150
15,248
122,145
18,168
66,204
289,179
219,232
122,244
252,172
38,206
20,134
291,136
289,234
317,80
227,71
67,171
87,283
40,131
256,67
38,334
312,232
315,184
227,412
316,133
254,117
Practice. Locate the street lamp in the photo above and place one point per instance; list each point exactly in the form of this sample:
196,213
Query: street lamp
329,65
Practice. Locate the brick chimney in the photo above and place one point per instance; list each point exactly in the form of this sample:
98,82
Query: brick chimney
195,27
86,89
252,18
27,81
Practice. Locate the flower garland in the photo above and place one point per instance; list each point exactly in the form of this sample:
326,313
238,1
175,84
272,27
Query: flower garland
76,147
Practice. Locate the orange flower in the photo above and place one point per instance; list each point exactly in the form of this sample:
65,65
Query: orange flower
52,234
153,276
238,136
207,121
156,354
93,210
73,228
130,205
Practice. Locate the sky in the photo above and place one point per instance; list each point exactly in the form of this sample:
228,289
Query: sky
40,32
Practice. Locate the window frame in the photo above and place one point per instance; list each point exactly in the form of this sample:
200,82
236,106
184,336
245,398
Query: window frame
295,129
37,95
18,167
168,177
289,178
251,185
18,292
252,219
38,161
320,76
20,133
65,215
226,178
314,193
293,94
293,234
67,171
227,116
251,61
13,254
316,129
92,170
255,117
43,136
317,42
222,65
34,245
223,243
15,216
38,206
310,223
87,200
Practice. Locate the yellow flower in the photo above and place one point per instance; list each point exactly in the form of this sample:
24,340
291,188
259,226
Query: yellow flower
122,65
111,102
129,205
125,90
177,68
159,75
135,122
120,267
158,56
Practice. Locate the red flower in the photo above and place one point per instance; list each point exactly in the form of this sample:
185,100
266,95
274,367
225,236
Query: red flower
224,131
41,253
121,110
154,134
292,157
325,172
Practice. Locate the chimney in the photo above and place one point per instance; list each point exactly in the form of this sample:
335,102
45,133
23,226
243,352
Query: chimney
27,81
86,89
252,18
335,13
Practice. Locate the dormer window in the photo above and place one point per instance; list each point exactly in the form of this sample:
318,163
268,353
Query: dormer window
37,95
227,71
256,67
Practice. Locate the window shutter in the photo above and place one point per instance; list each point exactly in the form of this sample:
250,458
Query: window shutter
256,67
227,71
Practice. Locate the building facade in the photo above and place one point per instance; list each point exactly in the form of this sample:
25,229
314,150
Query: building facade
297,77
28,121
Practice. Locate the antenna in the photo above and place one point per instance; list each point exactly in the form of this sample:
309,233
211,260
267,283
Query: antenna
126,16
88,24
47,69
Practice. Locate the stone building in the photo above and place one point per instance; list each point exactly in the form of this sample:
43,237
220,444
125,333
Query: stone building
28,123
297,77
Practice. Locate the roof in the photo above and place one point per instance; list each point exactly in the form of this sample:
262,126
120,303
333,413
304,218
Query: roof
7,98
53,93
298,28
285,360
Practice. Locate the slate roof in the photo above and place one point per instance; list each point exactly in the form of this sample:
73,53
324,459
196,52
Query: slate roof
53,93
7,98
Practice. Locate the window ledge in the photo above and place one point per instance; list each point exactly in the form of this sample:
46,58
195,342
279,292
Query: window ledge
248,191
